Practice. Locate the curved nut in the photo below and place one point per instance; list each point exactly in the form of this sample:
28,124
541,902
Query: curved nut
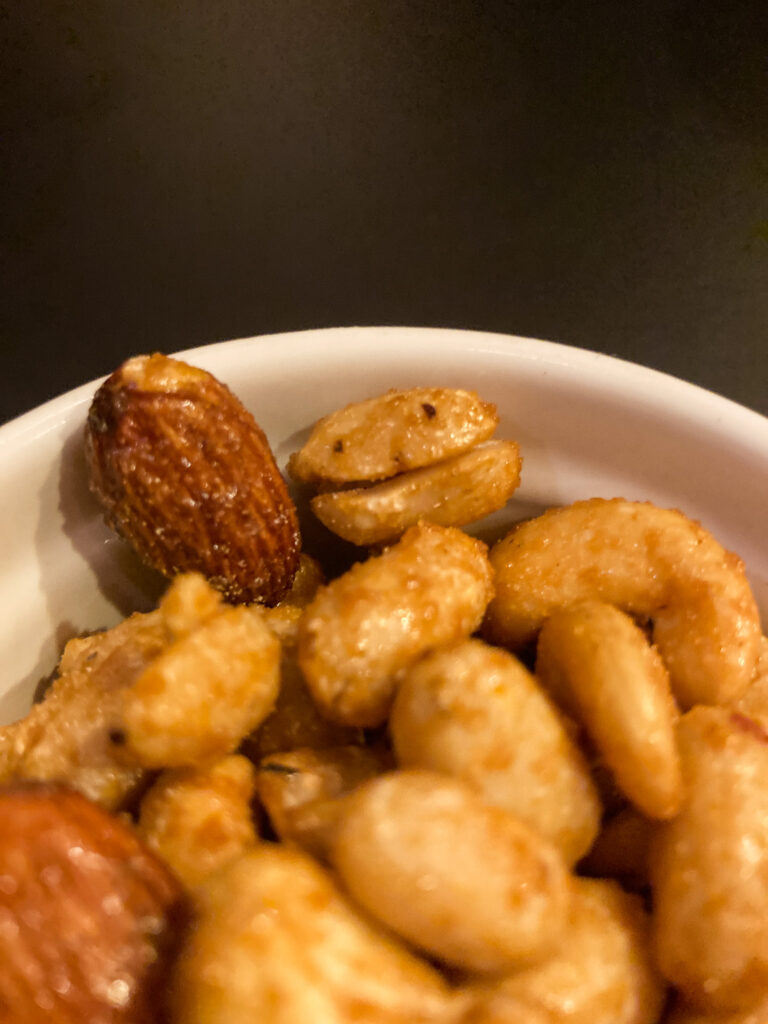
597,664
453,492
187,476
467,882
276,941
367,626
650,562
382,436
475,712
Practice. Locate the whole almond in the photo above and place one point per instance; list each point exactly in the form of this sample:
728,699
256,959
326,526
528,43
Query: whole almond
89,918
187,476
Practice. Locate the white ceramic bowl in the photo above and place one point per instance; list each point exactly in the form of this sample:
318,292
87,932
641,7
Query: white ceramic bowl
588,425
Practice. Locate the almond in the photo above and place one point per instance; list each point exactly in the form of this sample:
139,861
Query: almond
187,476
88,916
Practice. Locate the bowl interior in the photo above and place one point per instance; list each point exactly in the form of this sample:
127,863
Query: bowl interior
588,425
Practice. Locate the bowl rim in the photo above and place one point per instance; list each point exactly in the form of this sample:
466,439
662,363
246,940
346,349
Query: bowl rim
659,391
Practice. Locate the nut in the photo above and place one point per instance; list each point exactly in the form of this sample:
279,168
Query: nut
87,915
187,476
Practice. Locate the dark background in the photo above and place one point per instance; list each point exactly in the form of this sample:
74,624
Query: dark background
176,173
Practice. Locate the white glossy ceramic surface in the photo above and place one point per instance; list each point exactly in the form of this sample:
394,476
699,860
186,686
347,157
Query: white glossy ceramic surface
587,424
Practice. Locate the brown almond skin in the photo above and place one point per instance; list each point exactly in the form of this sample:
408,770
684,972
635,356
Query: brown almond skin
89,918
187,476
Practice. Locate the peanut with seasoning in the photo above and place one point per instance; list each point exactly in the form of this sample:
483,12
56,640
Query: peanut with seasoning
380,437
454,492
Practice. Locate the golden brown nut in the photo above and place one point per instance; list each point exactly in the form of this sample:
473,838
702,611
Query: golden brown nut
87,913
453,492
366,627
598,665
709,865
602,971
199,819
474,712
187,476
650,562
464,881
74,735
276,942
382,436
205,692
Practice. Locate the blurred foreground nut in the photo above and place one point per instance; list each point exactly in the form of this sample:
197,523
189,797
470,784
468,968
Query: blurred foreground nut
186,475
466,882
199,819
88,916
275,941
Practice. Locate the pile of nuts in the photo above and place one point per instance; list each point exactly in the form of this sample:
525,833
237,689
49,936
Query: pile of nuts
450,786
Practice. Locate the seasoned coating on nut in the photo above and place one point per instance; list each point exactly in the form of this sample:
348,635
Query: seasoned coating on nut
199,819
454,492
652,563
400,430
475,712
467,882
709,866
187,476
363,629
205,692
602,971
88,916
276,941
289,781
74,735
598,665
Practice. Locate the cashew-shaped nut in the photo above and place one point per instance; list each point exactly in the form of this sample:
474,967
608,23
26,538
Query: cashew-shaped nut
366,627
597,664
651,562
